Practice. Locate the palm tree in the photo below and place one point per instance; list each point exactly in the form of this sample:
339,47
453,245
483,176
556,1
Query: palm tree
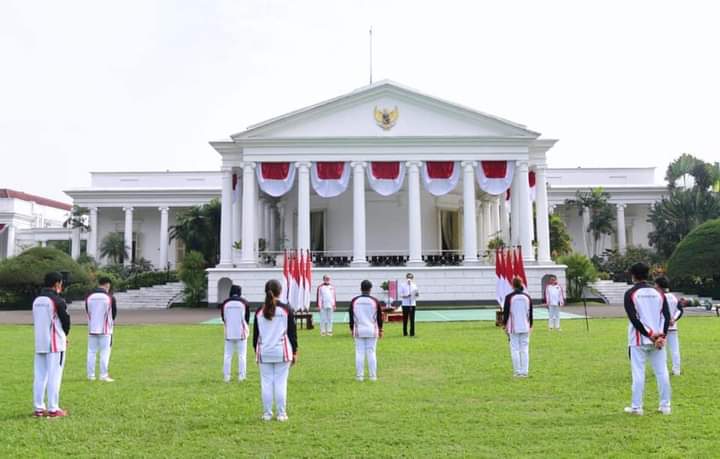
77,218
602,217
199,228
113,248
681,168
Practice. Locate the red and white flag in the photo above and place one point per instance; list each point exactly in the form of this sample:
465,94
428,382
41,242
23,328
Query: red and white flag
235,188
293,293
308,279
386,177
519,266
440,177
531,184
495,177
330,178
276,179
285,283
502,285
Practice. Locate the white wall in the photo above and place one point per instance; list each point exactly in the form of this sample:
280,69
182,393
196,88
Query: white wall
601,176
153,180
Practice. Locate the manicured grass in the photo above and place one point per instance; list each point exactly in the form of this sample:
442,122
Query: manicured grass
448,392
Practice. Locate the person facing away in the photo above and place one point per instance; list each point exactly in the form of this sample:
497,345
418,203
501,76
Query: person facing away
366,326
101,309
235,314
649,318
51,326
554,299
326,302
276,347
518,320
408,293
676,310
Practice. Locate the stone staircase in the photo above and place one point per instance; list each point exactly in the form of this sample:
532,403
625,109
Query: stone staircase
157,297
613,291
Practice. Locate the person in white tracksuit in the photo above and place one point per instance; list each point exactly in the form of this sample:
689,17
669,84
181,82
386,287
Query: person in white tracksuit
554,297
101,309
366,326
649,318
235,314
326,302
276,347
518,320
676,312
51,325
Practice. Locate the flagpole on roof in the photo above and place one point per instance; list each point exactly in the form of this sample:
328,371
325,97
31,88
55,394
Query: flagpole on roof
371,54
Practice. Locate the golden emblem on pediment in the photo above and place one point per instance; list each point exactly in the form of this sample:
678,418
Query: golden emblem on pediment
385,118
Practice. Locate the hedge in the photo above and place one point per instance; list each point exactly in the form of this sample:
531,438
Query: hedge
697,256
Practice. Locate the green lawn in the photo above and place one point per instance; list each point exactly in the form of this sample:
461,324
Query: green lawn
448,392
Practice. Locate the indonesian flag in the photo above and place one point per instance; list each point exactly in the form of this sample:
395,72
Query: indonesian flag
386,177
285,278
329,179
308,279
276,179
302,287
294,290
531,183
440,177
519,266
235,188
495,177
503,271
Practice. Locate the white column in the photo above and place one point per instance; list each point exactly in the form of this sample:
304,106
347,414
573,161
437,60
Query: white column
93,233
543,224
481,235
226,219
163,237
504,220
237,219
267,209
414,213
622,242
495,217
524,205
249,207
551,209
303,176
283,232
272,228
487,226
585,226
515,208
128,234
359,228
469,218
10,248
43,243
75,243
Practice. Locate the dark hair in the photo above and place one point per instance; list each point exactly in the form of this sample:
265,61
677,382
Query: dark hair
640,271
235,290
53,278
517,283
662,282
272,291
104,280
365,286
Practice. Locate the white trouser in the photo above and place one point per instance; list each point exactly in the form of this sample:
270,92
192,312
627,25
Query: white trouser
326,320
232,345
520,352
673,343
365,347
273,382
48,375
638,356
97,343
553,316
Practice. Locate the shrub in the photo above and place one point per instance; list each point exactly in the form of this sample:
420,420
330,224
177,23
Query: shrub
580,272
23,275
697,257
150,278
617,264
192,274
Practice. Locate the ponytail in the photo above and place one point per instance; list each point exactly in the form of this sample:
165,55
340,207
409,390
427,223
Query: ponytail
272,291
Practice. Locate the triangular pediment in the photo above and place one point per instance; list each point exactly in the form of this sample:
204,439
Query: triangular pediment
360,114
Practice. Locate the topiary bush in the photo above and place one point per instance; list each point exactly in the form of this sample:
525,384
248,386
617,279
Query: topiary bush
192,274
22,276
580,272
696,259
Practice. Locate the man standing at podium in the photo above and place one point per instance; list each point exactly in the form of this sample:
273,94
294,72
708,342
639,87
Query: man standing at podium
408,293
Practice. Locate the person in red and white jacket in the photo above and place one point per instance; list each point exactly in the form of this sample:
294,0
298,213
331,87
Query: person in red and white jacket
51,324
326,301
518,320
235,314
649,316
101,309
366,326
276,347
554,298
676,312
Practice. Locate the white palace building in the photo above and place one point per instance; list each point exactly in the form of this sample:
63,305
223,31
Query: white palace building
377,182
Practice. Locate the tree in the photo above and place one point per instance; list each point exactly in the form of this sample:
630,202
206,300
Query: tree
698,254
77,218
560,241
113,248
192,273
580,272
681,169
199,228
602,217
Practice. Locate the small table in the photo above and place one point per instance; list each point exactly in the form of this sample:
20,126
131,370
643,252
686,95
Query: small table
306,319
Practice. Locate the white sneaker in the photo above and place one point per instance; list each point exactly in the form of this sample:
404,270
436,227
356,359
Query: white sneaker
635,411
676,372
373,378
322,333
91,378
359,378
227,380
666,410
282,417
106,379
267,417
241,378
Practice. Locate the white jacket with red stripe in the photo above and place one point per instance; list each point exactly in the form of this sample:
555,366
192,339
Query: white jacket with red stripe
648,313
49,333
99,310
326,296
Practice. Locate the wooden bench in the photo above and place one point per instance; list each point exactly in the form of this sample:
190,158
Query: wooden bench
305,320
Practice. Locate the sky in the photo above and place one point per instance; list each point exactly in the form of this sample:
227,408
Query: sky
145,85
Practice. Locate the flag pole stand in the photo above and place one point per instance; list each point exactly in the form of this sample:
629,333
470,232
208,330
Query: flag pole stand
582,294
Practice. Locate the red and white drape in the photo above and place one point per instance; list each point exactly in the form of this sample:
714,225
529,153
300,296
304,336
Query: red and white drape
329,179
2,227
531,183
440,177
386,177
495,177
276,179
